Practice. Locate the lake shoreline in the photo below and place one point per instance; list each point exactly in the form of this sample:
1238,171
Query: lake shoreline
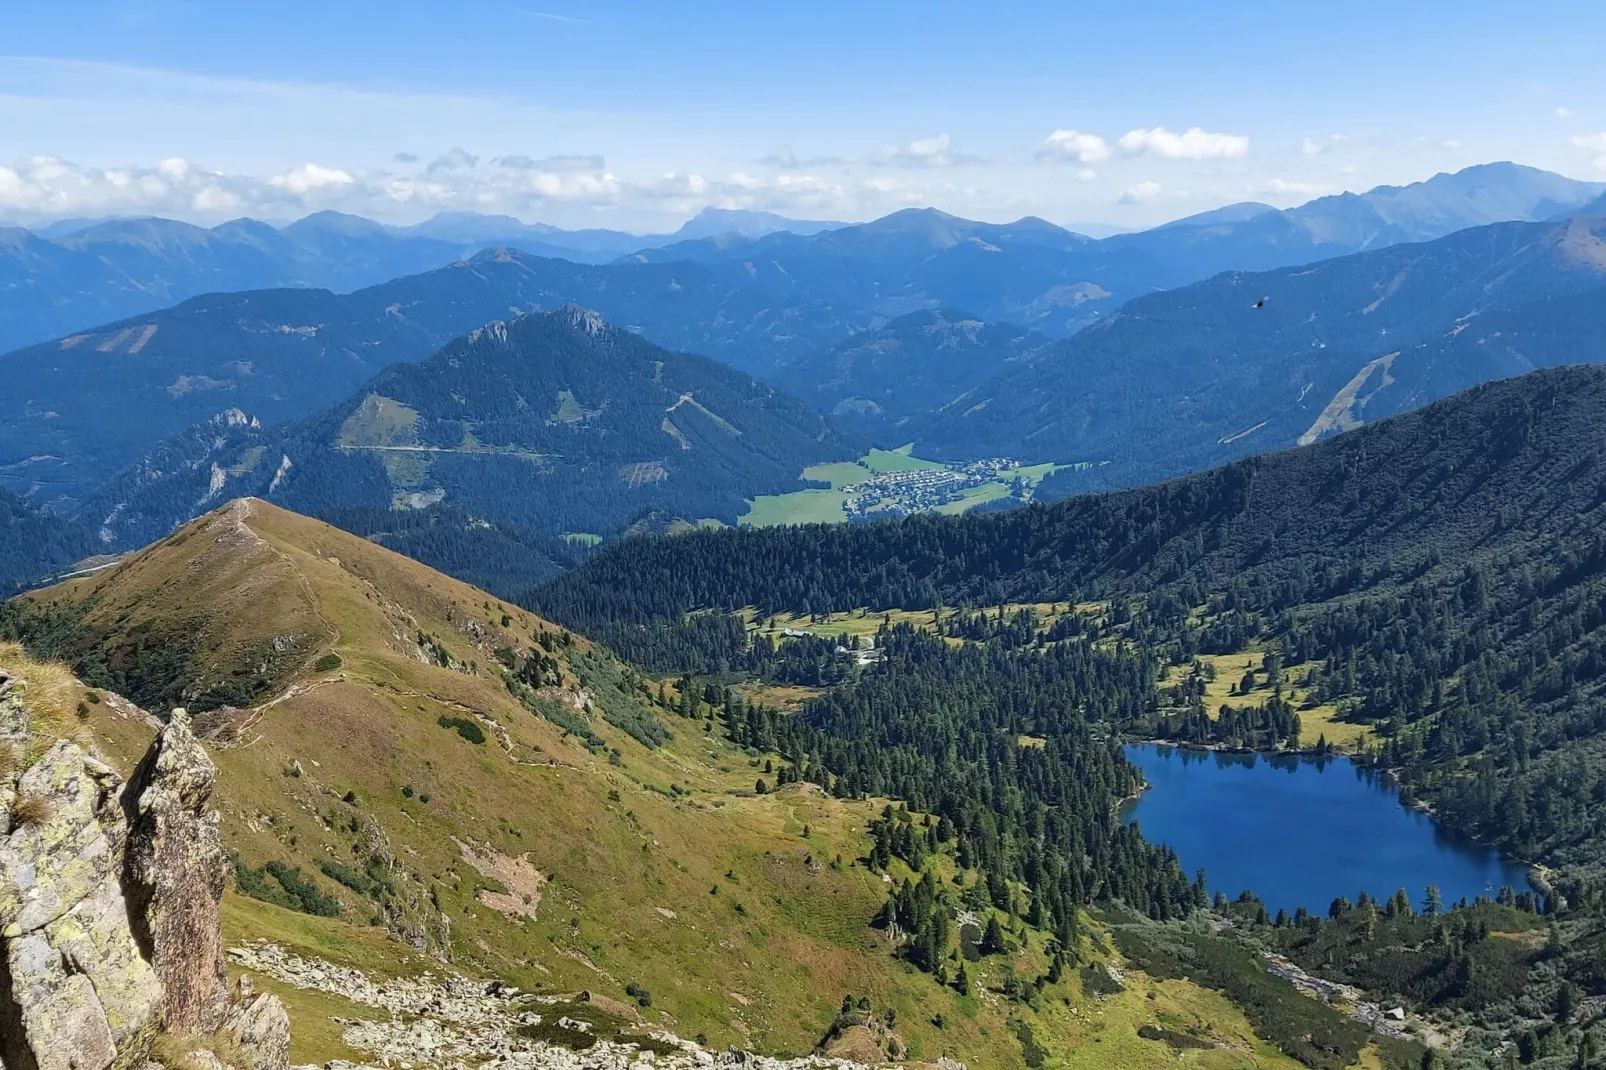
1538,872
1296,834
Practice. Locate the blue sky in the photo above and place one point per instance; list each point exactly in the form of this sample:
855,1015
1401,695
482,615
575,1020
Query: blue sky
635,115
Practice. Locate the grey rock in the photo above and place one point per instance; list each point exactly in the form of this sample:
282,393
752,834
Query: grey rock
260,1028
175,874
75,992
13,717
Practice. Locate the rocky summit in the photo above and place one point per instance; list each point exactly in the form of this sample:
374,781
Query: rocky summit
109,897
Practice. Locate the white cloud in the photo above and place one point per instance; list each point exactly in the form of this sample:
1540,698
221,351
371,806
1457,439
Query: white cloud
785,159
1143,191
1451,144
1074,145
1595,143
884,184
551,163
1192,144
931,152
308,177
43,187
922,154
677,184
46,187
592,188
782,157
1317,146
1087,174
1290,186
1564,113
454,160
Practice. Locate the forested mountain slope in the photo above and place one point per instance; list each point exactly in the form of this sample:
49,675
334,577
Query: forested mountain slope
1175,381
1446,471
877,380
1181,380
89,405
555,422
1445,568
34,544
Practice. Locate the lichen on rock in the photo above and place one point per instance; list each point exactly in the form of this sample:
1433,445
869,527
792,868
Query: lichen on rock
75,991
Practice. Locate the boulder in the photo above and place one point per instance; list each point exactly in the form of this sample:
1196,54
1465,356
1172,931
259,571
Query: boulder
259,1026
75,992
175,872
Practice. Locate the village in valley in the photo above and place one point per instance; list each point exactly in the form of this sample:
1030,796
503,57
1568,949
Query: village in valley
892,494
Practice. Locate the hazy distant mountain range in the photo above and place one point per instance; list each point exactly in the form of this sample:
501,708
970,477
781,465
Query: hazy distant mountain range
1055,281
1184,379
861,323
73,275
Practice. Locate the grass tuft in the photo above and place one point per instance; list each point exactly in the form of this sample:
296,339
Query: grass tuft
31,810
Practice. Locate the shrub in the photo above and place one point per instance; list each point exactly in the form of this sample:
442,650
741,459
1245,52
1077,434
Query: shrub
639,994
288,888
305,894
469,730
1033,1053
328,663
550,1032
344,874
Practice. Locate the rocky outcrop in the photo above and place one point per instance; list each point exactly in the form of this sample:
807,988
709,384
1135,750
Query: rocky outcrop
259,1029
13,718
454,1021
410,913
175,874
75,991
109,896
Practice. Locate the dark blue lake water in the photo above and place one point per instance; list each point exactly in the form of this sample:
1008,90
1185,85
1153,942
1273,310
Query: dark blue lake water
1300,832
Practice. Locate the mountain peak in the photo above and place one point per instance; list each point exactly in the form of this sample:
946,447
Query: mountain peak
748,224
235,418
583,319
343,223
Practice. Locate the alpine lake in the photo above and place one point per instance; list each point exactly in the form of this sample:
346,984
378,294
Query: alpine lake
1301,831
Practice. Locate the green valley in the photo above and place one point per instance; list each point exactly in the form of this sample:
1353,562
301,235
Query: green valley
893,483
